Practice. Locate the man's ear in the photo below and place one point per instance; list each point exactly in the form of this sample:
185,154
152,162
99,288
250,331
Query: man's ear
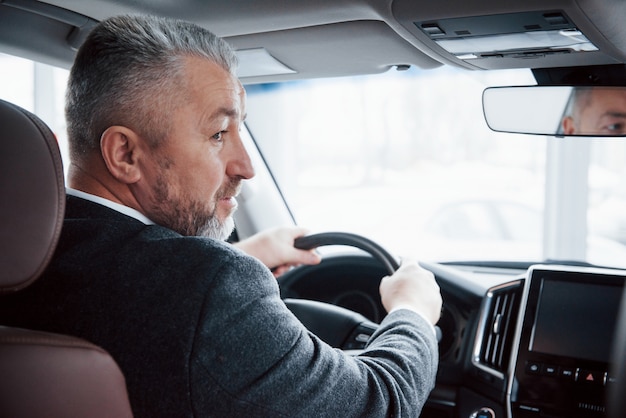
120,149
568,125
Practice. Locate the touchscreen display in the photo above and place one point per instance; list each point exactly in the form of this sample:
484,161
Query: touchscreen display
575,319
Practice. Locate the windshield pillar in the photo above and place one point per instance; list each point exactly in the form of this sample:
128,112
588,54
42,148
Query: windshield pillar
566,199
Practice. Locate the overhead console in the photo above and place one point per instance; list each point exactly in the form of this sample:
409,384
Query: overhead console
539,34
565,334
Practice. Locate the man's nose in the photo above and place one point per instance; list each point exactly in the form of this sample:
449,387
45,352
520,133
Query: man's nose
239,164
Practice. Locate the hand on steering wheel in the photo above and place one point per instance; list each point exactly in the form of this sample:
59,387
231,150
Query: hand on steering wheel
337,326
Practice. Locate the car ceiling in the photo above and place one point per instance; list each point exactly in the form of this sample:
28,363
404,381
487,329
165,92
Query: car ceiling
326,38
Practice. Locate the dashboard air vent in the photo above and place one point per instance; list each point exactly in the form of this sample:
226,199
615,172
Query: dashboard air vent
497,327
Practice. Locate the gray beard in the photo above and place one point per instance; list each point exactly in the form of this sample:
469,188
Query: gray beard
187,216
215,229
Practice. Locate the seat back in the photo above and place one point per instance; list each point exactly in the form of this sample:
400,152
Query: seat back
42,374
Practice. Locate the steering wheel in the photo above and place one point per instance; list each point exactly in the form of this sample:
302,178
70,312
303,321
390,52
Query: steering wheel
337,326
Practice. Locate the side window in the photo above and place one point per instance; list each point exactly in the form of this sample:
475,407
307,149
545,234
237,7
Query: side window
38,88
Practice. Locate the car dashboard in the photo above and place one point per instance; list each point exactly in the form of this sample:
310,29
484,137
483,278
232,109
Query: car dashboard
517,341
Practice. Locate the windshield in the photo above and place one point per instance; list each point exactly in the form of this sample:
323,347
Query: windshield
407,159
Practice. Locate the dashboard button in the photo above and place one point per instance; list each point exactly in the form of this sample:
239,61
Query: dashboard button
549,370
568,373
483,413
611,379
591,377
533,367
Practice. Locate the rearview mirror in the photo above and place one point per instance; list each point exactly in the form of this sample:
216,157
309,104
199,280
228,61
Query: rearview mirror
556,110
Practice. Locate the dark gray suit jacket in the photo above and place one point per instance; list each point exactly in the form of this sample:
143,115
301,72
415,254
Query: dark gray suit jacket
199,329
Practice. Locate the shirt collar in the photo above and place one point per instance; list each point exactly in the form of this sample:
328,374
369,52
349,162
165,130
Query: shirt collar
110,204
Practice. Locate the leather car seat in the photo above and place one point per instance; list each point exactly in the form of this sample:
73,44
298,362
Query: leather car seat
43,374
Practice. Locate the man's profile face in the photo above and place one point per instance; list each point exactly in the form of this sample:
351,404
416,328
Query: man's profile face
602,111
197,171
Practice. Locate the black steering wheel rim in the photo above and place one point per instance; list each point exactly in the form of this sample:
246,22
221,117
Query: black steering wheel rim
310,242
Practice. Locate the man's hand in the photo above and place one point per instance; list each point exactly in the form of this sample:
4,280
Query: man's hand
414,288
274,248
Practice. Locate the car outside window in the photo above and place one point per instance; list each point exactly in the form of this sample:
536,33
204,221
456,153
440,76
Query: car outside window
38,88
406,158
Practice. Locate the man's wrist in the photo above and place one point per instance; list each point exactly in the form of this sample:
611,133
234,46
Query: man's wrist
421,315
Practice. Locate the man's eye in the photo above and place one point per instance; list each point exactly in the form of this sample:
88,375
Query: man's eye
218,136
615,127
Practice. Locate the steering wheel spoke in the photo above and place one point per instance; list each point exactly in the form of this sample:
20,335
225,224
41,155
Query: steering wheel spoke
338,326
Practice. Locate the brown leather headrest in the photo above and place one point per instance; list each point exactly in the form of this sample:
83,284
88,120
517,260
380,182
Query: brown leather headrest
32,196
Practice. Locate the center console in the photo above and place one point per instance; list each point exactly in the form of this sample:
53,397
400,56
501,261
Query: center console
564,337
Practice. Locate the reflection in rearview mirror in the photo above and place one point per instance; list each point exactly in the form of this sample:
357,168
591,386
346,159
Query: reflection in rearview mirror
557,110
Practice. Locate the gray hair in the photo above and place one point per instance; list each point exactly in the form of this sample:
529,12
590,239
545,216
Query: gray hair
129,72
581,98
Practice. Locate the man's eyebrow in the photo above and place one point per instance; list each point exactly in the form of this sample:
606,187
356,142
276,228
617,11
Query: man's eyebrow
225,111
615,114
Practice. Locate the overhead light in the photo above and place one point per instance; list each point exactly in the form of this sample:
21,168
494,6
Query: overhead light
554,40
258,62
510,35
